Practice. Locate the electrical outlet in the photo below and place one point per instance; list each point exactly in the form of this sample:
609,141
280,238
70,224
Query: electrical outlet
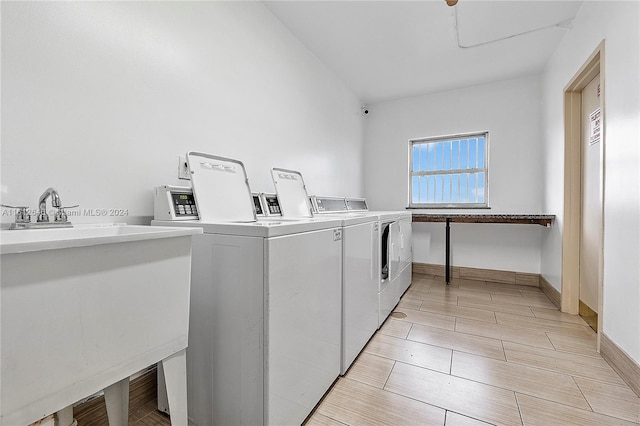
183,168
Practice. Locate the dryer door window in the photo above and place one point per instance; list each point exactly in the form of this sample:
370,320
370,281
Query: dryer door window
384,251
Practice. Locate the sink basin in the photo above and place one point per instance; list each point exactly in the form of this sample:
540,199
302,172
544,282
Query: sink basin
20,241
83,308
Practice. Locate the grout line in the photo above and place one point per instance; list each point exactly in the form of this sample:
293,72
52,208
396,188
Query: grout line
581,392
469,416
572,406
409,332
451,362
543,398
515,394
551,370
566,373
415,399
504,352
549,339
472,381
389,375
623,385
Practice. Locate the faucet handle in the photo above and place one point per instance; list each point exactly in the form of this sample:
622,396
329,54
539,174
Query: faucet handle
22,215
61,215
42,216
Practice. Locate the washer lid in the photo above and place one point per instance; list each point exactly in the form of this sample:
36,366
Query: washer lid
221,188
292,193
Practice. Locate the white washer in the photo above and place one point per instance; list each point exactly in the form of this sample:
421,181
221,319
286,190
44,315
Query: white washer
360,274
265,329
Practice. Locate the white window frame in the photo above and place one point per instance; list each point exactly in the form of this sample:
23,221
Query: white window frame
458,172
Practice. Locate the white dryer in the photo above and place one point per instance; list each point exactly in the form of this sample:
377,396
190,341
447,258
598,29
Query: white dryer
396,259
265,329
396,252
394,248
360,272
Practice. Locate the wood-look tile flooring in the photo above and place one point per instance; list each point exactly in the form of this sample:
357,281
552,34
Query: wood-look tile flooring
148,415
473,353
478,353
145,415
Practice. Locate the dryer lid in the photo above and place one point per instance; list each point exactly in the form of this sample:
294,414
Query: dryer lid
292,193
221,188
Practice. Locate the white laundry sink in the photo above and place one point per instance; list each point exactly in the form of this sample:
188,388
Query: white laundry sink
83,308
20,241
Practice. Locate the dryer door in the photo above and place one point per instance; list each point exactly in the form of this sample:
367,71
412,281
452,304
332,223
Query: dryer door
395,249
405,242
389,264
385,244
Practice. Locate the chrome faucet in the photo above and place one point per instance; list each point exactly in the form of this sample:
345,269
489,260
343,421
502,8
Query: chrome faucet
55,202
23,218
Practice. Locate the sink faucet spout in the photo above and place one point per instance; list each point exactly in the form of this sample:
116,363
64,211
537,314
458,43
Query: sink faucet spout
42,203
55,198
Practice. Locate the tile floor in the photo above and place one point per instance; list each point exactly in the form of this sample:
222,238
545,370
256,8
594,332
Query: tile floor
148,415
473,353
479,353
145,415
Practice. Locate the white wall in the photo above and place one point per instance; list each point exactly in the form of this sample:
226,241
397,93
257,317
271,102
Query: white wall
100,98
510,111
617,23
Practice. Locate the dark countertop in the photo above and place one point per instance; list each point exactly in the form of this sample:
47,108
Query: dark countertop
535,219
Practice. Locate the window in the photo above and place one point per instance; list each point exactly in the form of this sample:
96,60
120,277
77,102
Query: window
449,171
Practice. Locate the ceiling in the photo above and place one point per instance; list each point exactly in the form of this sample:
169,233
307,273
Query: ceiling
385,50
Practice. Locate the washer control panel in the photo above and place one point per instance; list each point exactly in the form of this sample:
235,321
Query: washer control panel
174,203
184,205
272,205
257,205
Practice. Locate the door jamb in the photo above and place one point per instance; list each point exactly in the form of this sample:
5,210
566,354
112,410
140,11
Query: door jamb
572,184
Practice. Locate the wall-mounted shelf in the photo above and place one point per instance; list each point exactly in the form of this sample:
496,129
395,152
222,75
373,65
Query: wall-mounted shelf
524,219
532,219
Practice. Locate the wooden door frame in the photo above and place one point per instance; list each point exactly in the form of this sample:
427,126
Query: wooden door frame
572,216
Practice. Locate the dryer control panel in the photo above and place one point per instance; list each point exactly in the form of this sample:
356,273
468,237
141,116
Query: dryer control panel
329,204
174,203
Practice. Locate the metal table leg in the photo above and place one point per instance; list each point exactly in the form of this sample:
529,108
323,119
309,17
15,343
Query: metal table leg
447,251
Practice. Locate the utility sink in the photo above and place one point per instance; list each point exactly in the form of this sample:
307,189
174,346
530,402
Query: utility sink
84,308
20,241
